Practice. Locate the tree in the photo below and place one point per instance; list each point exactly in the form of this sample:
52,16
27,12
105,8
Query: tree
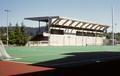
109,35
12,37
19,35
24,36
16,34
3,34
117,36
11,34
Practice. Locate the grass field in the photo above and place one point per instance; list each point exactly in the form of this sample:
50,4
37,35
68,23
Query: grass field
41,54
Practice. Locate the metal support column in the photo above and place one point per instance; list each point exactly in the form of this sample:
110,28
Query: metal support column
49,30
39,28
82,36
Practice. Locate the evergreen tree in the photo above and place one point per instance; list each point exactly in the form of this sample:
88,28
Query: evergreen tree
3,34
24,36
19,36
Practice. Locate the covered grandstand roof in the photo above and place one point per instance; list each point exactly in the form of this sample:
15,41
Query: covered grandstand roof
62,22
44,19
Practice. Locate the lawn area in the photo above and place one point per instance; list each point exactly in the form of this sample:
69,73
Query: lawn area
41,54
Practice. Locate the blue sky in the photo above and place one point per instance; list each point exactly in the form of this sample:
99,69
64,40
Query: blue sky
98,11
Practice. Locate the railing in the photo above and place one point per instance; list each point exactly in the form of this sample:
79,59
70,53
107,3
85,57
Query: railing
37,43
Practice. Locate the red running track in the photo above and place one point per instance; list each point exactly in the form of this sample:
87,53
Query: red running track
11,68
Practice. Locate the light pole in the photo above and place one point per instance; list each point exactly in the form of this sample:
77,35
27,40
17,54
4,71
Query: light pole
112,25
0,17
7,11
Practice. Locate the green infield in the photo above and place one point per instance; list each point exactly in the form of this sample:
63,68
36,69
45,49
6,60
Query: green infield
41,54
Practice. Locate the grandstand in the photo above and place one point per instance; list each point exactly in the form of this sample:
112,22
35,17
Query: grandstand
61,31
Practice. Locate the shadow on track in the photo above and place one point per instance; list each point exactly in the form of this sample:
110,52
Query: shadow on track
86,63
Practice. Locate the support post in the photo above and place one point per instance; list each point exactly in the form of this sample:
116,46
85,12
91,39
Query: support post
39,27
82,36
49,30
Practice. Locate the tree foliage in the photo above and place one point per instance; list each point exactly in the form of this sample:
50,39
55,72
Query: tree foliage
116,36
17,35
20,35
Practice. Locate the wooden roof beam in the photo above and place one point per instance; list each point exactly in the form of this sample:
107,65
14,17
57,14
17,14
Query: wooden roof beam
100,28
83,23
65,22
88,25
71,23
55,21
97,27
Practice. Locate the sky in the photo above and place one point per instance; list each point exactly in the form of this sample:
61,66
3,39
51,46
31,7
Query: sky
98,11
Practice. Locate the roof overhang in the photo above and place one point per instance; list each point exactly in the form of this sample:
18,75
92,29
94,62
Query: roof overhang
63,22
44,19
